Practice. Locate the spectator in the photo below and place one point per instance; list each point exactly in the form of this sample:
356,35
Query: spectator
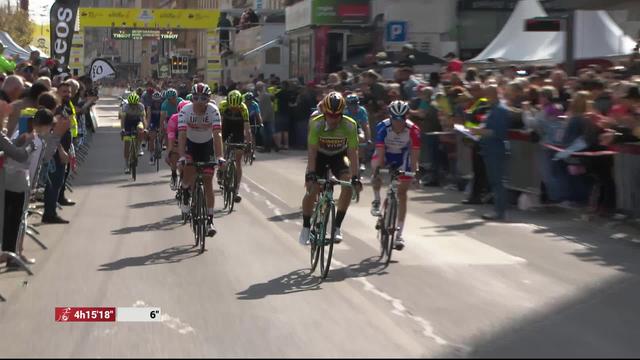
493,136
28,101
559,81
6,66
454,64
265,100
12,88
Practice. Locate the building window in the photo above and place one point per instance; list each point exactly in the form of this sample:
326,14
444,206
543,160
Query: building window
272,56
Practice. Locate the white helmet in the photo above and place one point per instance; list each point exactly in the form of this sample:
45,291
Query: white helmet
398,109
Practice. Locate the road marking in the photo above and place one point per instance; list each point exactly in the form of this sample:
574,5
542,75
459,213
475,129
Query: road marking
398,307
265,190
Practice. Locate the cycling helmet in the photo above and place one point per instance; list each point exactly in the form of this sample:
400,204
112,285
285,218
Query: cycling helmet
182,104
353,99
170,93
133,99
157,96
333,103
139,91
234,98
188,97
249,96
398,109
201,88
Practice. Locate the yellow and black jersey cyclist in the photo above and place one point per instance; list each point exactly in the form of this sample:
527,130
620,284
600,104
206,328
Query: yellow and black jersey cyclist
333,144
236,128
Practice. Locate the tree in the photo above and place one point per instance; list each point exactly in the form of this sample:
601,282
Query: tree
17,24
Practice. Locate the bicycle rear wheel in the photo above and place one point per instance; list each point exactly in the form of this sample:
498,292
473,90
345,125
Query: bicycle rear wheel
133,158
231,189
326,251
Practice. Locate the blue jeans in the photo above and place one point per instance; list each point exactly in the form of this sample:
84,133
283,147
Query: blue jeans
267,134
495,161
52,189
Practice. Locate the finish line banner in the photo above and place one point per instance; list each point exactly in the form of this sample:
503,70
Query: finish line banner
151,18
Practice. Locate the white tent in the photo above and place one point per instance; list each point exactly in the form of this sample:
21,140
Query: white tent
596,35
11,48
35,48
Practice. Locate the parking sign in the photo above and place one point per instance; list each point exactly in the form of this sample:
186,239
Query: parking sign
396,31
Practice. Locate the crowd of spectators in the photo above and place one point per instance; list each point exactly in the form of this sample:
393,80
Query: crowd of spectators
44,117
584,113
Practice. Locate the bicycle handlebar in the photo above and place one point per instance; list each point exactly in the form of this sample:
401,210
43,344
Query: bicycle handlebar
395,172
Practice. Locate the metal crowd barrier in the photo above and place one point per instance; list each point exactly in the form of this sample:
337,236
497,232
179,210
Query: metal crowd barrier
523,163
627,177
524,167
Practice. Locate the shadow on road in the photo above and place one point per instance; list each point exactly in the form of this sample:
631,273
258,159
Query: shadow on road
291,216
151,183
300,280
153,203
171,255
167,224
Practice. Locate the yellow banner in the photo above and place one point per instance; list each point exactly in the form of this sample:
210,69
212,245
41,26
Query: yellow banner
141,18
41,36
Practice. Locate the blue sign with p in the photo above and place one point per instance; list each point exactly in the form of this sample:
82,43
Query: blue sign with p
396,31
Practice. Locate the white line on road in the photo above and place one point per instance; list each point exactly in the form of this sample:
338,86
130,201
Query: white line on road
398,308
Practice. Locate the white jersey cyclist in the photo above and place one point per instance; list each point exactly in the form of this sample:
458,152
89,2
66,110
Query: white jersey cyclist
199,127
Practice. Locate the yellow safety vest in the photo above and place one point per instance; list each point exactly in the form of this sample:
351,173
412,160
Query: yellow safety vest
74,121
274,91
470,112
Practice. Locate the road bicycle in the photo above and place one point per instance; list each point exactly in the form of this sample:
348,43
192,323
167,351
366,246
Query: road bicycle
229,175
323,229
132,161
199,215
387,220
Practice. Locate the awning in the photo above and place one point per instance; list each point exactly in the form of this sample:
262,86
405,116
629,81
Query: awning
273,43
11,48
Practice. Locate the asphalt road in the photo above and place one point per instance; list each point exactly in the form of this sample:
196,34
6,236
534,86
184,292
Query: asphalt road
544,284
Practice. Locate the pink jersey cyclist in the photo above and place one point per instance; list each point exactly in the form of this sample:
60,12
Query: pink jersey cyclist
172,126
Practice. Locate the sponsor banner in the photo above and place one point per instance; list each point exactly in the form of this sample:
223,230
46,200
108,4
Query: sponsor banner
63,17
100,69
152,18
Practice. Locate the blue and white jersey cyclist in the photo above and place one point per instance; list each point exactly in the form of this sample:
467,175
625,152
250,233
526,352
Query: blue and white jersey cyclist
397,146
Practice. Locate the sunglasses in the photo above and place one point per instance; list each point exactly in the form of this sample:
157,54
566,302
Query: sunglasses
399,118
200,98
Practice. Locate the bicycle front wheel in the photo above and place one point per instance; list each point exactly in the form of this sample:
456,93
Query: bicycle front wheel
390,227
315,238
328,237
202,217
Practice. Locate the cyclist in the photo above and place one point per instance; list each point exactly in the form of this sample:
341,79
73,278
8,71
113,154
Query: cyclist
332,143
235,128
132,120
172,145
255,118
169,106
153,119
360,115
199,132
397,146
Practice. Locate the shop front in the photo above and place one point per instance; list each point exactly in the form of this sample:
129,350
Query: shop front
324,34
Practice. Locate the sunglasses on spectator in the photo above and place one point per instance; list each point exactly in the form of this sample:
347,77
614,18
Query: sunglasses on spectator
200,97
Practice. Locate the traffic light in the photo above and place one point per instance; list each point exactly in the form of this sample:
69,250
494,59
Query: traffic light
543,24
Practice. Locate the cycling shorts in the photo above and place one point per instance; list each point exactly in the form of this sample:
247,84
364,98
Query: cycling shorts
154,124
130,126
338,164
234,133
199,152
399,161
